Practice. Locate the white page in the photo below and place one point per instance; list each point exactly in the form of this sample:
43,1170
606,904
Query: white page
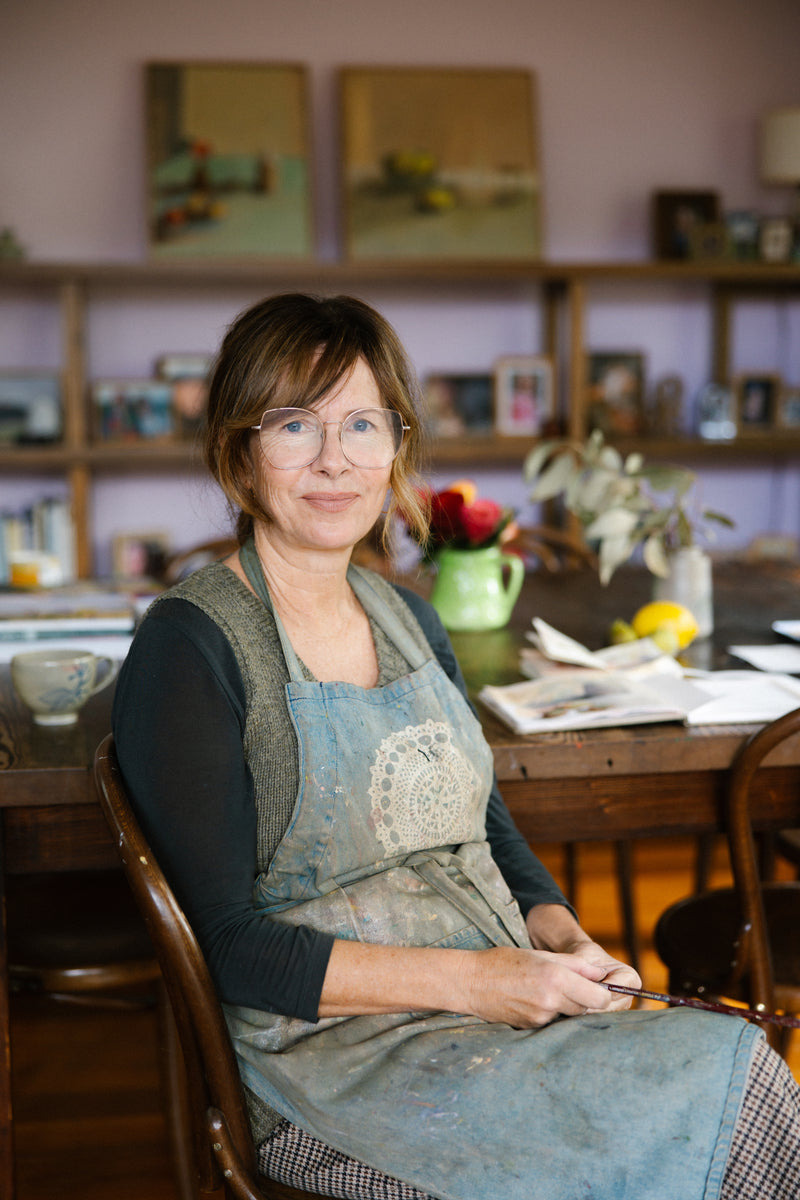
743,697
779,657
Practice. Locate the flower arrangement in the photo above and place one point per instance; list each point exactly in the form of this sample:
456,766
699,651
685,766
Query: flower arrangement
616,501
462,520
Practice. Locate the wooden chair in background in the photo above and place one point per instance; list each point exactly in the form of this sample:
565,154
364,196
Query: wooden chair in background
78,937
740,942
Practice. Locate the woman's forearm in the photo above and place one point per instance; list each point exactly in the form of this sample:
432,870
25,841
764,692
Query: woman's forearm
363,979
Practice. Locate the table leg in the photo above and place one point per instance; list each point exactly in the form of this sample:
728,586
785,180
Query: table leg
6,1124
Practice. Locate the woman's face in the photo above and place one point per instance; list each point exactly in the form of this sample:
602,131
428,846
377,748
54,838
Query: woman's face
329,504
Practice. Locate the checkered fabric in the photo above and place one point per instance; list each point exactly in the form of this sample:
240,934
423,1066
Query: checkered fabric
300,1160
764,1162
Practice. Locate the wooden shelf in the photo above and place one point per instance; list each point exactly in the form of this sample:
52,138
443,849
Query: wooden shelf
563,289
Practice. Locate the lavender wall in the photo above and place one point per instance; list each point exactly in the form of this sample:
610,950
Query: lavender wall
632,97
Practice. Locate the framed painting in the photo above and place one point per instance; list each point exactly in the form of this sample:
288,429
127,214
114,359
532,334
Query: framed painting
616,393
524,398
440,163
228,162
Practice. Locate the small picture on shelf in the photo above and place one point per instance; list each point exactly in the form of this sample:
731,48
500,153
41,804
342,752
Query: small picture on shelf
775,240
188,374
676,216
524,398
459,404
757,401
139,555
615,392
30,407
133,410
789,409
743,226
716,413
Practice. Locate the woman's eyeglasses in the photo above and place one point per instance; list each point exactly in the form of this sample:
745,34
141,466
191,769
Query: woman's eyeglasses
293,437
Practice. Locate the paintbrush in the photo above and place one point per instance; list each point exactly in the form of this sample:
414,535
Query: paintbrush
750,1014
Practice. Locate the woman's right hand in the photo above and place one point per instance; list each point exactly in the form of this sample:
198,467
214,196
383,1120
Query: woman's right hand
528,988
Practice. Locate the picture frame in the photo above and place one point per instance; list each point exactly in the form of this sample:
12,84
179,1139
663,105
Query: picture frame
524,396
459,404
775,240
139,555
615,392
676,215
228,160
132,410
440,163
709,241
758,396
188,374
789,408
30,407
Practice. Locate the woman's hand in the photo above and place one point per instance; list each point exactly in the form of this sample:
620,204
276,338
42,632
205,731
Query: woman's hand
529,988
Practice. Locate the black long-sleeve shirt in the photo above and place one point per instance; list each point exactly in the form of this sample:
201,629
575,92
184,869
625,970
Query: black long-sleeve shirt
178,720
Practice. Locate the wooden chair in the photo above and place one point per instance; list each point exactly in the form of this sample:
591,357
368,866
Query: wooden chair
740,942
221,1145
78,937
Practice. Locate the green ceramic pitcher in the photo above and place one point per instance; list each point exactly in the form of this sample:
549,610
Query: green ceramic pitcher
476,589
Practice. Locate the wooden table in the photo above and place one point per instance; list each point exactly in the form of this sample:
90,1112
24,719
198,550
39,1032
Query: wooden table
606,784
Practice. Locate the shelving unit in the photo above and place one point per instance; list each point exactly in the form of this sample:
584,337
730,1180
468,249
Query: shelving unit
564,291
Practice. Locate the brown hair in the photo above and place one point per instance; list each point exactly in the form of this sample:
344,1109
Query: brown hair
289,351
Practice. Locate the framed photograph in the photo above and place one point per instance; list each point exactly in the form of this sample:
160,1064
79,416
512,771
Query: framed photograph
524,397
139,555
743,226
757,401
228,161
775,238
459,404
709,241
132,410
789,408
440,163
188,374
676,216
30,407
716,413
615,399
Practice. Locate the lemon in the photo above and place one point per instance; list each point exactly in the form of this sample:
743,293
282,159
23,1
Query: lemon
665,613
620,632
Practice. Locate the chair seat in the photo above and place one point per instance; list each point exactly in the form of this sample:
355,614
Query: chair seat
83,918
695,939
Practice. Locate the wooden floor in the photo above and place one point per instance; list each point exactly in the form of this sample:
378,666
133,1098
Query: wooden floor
86,1084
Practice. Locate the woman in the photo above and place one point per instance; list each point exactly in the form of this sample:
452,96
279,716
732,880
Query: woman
395,963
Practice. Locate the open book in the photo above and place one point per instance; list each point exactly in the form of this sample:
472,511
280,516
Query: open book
651,687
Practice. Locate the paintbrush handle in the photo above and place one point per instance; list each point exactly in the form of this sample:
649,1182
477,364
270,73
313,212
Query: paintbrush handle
750,1014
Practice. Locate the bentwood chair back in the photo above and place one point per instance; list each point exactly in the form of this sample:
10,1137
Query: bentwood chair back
222,1145
740,942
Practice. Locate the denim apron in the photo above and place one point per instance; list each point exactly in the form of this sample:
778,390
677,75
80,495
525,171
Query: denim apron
386,844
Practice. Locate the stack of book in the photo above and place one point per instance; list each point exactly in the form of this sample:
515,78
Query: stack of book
81,615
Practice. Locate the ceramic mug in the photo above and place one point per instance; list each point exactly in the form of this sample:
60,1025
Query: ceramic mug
55,684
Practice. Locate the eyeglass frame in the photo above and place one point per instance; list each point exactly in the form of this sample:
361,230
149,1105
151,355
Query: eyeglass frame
323,425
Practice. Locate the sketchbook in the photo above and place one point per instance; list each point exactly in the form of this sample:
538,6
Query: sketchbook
634,684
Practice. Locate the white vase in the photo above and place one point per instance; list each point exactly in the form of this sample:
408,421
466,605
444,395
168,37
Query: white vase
689,583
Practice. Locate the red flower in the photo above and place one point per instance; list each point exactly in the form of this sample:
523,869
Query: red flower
480,520
446,509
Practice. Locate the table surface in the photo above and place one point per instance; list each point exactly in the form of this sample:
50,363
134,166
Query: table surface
605,783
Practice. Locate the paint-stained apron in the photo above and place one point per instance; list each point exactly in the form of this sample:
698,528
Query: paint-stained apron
387,844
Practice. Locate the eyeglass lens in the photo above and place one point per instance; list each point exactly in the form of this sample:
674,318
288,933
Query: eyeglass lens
294,437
